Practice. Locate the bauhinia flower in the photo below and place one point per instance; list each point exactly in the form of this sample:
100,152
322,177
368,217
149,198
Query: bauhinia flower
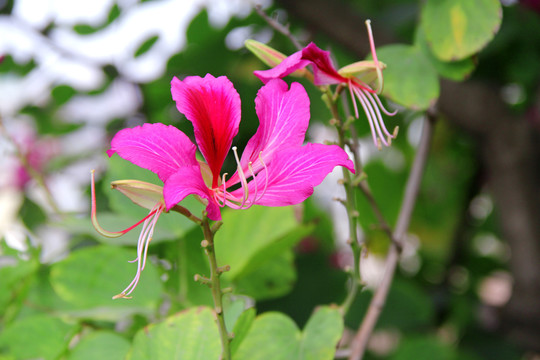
275,169
356,77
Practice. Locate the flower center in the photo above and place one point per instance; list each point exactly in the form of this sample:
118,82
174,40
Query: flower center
240,198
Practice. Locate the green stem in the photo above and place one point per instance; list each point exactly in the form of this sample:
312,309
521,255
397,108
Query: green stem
215,286
350,205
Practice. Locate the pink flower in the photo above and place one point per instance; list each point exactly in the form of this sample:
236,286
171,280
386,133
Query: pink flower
33,153
356,77
275,169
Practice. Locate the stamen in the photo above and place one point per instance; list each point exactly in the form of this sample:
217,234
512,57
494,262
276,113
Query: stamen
142,250
379,116
381,106
93,216
374,55
367,111
242,177
222,204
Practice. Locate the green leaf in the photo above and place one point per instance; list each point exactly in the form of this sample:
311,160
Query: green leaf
454,70
114,13
409,78
62,93
234,306
321,334
188,335
9,65
457,29
241,328
273,278
48,122
100,345
31,214
85,29
275,336
256,244
146,45
88,278
14,280
39,336
248,233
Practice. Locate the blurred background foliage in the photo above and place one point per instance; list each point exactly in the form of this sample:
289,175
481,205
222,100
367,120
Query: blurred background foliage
71,78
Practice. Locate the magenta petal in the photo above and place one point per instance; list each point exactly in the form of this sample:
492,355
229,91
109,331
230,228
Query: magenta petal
213,106
295,171
284,118
324,71
156,147
187,181
284,68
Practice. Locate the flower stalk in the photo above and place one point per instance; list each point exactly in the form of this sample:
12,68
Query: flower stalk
215,285
350,204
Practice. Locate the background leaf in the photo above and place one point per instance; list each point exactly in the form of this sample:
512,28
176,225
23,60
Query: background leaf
457,29
454,70
39,336
409,78
100,345
275,336
257,244
146,46
91,276
189,335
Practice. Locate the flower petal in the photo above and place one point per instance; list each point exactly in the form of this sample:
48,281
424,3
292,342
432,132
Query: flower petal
187,181
324,71
293,173
213,106
156,147
284,118
286,67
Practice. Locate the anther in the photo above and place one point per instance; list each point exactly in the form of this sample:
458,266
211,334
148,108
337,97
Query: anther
121,296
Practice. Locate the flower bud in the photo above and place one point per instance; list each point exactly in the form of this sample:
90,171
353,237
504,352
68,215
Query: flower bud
144,194
269,55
